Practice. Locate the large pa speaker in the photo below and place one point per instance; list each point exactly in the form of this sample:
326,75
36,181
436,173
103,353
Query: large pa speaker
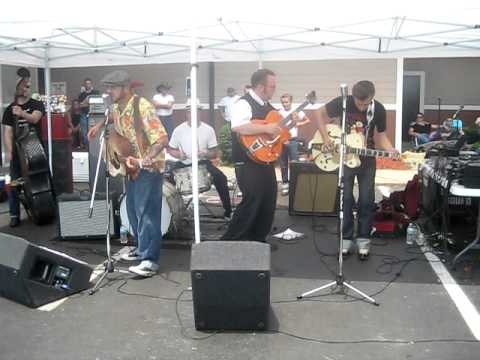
34,275
73,220
312,191
231,285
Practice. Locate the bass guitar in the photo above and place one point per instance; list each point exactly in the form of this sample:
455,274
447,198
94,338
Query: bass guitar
266,149
356,147
38,196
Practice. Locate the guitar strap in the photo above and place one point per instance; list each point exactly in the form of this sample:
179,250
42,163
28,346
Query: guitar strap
138,125
370,115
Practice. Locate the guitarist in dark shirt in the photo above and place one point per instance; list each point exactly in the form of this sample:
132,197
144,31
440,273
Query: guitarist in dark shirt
364,114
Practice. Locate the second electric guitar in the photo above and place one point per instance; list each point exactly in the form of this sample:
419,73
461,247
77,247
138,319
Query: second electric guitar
265,149
330,160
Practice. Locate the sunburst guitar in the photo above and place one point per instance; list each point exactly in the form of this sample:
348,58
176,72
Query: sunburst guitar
266,149
356,147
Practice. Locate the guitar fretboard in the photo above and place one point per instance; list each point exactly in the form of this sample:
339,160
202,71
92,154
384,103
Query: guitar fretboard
371,152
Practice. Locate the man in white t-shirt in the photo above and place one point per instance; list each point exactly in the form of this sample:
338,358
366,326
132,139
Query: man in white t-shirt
163,102
290,150
227,102
180,147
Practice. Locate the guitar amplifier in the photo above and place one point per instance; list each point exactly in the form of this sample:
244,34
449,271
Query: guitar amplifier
312,191
73,220
80,166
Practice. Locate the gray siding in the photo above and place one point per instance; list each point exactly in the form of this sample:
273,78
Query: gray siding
455,80
150,75
299,77
296,77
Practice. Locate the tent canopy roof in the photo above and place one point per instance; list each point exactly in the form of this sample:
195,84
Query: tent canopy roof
99,33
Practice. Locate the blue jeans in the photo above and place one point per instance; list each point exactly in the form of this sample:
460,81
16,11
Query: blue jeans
290,152
423,139
84,119
13,200
167,122
144,208
365,174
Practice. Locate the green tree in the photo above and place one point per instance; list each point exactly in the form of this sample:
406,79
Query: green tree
225,144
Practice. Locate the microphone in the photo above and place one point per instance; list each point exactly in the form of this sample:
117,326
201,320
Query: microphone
107,103
344,90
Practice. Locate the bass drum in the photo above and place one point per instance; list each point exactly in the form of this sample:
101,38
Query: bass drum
173,210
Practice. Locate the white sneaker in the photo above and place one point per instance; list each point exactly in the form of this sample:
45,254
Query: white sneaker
363,245
146,268
347,246
131,256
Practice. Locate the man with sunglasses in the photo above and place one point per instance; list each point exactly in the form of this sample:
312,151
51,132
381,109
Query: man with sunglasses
365,115
23,111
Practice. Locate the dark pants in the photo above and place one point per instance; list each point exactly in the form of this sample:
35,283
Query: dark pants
13,200
289,153
253,217
167,122
219,180
365,174
144,209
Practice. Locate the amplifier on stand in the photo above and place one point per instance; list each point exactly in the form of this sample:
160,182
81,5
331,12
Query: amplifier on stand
312,191
73,220
80,167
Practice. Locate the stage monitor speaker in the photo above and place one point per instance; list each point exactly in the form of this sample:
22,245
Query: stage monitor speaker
73,220
231,285
34,275
312,191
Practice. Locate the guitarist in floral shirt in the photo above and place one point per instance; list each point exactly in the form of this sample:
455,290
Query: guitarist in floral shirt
134,119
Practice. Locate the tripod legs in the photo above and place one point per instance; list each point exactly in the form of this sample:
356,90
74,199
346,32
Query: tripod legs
342,284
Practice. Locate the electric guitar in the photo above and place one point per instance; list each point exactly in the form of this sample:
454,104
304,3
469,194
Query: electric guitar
356,146
265,149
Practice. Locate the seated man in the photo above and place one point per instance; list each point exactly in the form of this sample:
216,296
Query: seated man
421,129
180,147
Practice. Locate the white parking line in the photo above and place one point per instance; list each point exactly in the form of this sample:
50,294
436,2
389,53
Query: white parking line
462,302
97,271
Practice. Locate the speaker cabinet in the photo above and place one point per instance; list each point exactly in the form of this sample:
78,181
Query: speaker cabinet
231,285
73,220
62,166
34,275
312,191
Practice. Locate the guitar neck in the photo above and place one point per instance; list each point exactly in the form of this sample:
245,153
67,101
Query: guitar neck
288,118
371,152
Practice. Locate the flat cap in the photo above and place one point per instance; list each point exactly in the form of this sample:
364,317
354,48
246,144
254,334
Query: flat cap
117,77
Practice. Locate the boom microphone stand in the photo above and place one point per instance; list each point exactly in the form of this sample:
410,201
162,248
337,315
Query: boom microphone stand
108,264
340,282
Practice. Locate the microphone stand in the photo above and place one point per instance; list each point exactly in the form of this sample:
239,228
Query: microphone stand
108,264
340,282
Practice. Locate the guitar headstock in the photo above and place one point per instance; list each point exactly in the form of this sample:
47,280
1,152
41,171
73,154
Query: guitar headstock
311,97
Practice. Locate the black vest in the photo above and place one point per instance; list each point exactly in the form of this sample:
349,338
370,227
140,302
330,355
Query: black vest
259,112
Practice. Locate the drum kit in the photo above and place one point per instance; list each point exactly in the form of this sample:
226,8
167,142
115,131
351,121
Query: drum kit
177,187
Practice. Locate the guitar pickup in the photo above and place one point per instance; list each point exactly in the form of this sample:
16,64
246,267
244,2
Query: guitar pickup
255,146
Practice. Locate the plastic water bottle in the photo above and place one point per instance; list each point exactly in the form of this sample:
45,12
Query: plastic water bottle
411,233
123,235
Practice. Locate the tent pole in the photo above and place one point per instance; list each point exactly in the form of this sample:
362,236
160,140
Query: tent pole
194,122
49,114
399,105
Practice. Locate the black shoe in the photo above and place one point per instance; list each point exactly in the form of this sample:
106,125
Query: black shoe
14,222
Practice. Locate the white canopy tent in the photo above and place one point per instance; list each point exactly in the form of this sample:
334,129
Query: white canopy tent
94,33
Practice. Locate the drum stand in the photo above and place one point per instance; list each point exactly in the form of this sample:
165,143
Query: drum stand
340,282
108,264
